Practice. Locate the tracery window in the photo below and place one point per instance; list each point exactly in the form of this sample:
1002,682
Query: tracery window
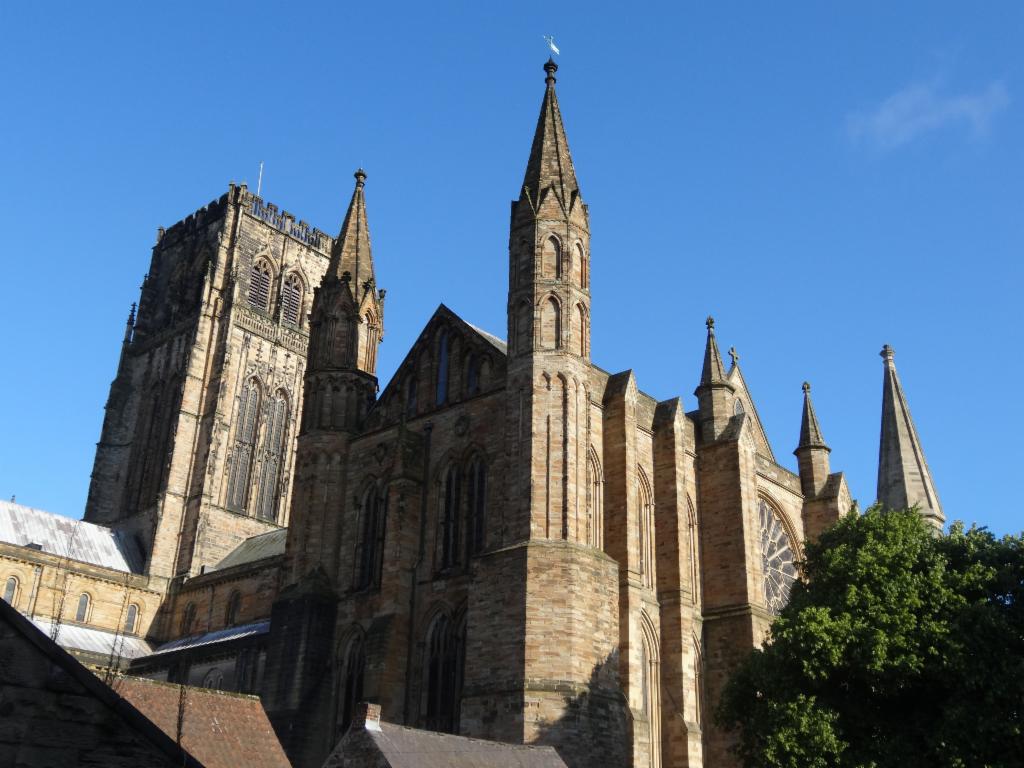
444,667
477,477
131,619
777,557
10,590
245,437
273,458
259,285
738,408
370,550
291,299
233,608
82,613
352,684
449,532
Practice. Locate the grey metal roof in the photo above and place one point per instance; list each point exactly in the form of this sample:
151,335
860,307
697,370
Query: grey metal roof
495,342
255,548
95,640
220,636
65,537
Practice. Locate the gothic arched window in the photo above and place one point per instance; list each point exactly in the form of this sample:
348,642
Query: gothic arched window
188,618
584,280
694,550
291,299
233,608
472,374
10,590
777,557
449,532
273,458
551,259
245,437
581,331
131,619
477,512
370,550
259,285
595,504
550,324
213,679
352,684
445,658
82,613
645,528
650,689
442,367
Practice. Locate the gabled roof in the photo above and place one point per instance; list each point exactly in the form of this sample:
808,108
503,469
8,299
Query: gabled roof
222,730
62,536
261,547
736,378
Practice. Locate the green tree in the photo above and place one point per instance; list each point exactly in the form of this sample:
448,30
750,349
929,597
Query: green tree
900,648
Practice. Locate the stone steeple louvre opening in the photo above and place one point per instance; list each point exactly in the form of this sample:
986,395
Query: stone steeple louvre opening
904,479
550,164
351,252
713,371
810,431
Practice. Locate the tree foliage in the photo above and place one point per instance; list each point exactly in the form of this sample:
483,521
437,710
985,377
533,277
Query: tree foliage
900,648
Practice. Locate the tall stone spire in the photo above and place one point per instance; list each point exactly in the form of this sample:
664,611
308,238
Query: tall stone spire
550,164
811,452
713,371
351,251
715,391
904,479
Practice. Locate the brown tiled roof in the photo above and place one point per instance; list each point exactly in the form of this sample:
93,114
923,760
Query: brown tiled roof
222,730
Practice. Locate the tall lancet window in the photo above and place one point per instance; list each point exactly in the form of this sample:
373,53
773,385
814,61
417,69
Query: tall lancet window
650,689
245,437
442,367
692,540
445,658
645,528
449,533
551,259
370,550
551,324
352,683
291,299
273,458
595,502
477,506
259,285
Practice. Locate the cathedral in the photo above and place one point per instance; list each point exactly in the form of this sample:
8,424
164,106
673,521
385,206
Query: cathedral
504,541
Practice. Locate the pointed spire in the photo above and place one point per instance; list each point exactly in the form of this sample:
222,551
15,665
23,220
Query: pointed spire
351,251
810,432
129,326
713,371
550,164
904,479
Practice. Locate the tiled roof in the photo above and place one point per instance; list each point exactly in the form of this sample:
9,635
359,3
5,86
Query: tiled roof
219,636
222,730
255,548
94,640
65,537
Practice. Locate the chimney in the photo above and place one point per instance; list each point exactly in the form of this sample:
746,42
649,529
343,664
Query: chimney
366,716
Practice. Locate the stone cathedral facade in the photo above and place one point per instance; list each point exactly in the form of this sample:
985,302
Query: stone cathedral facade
503,541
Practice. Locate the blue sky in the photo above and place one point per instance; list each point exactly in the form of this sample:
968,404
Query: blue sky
824,178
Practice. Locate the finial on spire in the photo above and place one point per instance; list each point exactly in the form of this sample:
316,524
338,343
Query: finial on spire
710,323
360,175
131,314
887,353
550,67
806,388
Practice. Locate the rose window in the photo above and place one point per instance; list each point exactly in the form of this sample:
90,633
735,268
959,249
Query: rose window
776,558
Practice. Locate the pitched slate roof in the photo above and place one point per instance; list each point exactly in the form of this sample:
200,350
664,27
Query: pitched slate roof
95,640
222,730
65,537
372,742
255,548
217,636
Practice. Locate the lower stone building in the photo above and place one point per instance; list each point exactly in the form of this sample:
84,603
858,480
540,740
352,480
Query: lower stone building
505,541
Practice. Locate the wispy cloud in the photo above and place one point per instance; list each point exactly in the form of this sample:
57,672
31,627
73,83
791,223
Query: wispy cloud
920,108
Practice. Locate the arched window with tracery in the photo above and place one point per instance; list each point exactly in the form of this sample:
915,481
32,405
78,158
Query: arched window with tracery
131,619
82,612
449,533
443,671
778,556
273,458
11,590
370,549
442,368
595,501
645,528
245,437
550,324
233,608
476,477
353,671
259,285
291,299
650,689
551,259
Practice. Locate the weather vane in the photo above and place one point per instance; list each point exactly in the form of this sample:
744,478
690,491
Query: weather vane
551,44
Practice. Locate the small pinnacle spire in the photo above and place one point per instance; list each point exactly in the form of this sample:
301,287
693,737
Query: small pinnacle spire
129,326
810,431
550,163
713,371
351,251
904,479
